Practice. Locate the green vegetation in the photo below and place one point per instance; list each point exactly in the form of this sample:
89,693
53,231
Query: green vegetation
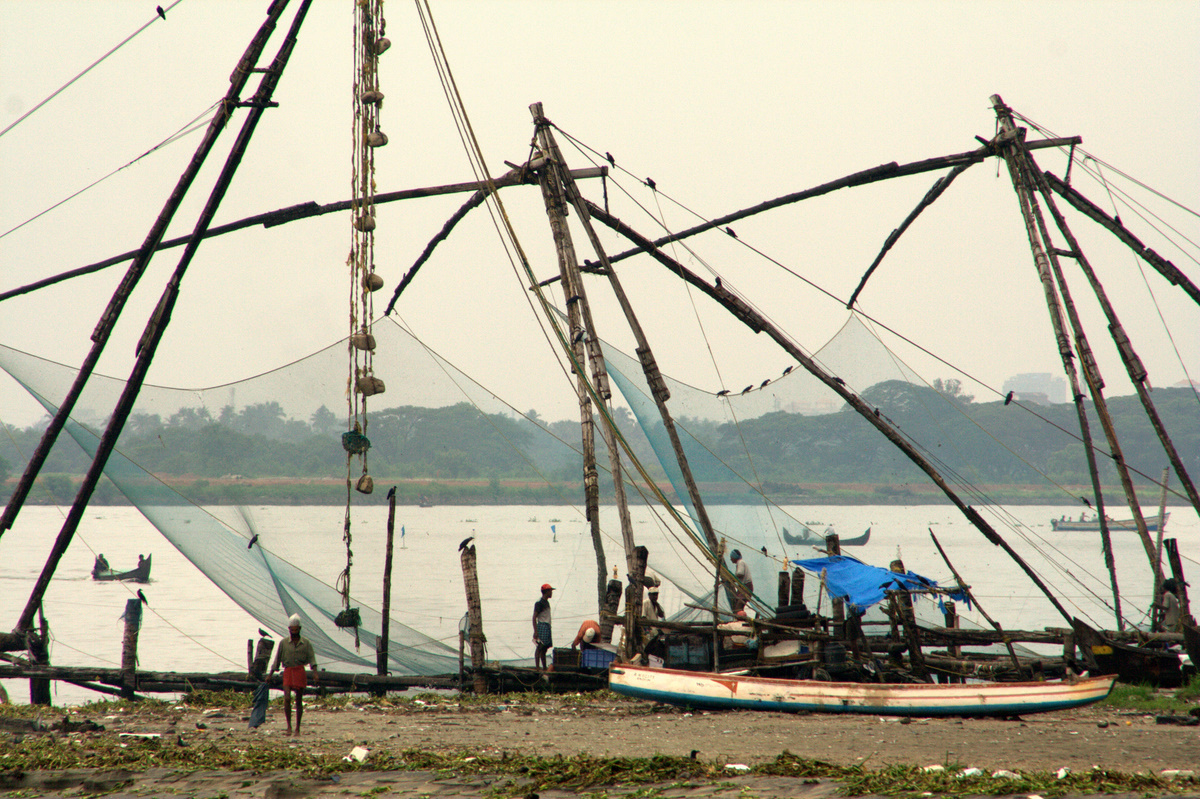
1147,698
459,455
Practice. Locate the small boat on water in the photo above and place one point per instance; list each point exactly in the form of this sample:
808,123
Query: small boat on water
744,692
139,574
807,536
1087,523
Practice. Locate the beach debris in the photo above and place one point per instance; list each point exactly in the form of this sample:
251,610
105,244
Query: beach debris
357,754
1062,772
935,768
970,772
145,735
1005,774
740,768
1177,774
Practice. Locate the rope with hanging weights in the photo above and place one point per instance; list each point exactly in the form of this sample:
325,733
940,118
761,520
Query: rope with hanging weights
361,382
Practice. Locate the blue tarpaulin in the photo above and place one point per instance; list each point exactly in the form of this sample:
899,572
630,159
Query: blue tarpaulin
862,585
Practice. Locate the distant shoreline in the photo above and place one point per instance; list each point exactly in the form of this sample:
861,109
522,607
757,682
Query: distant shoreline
239,490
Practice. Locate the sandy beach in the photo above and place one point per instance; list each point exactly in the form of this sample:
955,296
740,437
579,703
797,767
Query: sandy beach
736,748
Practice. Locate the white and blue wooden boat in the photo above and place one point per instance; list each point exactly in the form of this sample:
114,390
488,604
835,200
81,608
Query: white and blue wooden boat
741,692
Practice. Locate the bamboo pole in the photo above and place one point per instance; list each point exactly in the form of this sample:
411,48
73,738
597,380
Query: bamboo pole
142,258
756,322
584,346
1046,257
966,590
381,654
658,388
160,318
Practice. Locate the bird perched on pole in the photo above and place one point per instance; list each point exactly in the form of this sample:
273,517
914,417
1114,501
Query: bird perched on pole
160,11
464,543
253,541
391,493
1008,398
263,633
142,597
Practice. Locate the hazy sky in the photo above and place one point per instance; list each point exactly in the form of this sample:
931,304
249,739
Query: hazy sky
723,104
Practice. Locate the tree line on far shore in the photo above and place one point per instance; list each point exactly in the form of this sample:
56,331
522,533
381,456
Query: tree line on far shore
982,443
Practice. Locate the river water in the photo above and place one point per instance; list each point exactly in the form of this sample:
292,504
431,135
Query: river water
190,625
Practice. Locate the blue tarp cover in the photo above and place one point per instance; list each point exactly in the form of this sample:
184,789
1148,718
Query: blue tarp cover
863,585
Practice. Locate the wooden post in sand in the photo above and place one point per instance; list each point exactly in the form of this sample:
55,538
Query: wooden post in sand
902,605
952,624
612,602
785,588
381,651
797,586
262,656
475,617
833,547
39,655
633,604
133,623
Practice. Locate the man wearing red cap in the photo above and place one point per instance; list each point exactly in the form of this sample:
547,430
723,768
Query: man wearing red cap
541,627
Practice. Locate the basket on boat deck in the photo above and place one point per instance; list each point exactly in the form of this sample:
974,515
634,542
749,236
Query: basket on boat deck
565,657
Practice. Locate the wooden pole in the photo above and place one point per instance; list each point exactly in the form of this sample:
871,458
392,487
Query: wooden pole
966,590
133,623
161,317
1024,174
1172,548
716,600
475,618
224,110
903,603
953,650
39,654
760,324
612,602
658,387
633,604
381,655
833,547
797,586
262,657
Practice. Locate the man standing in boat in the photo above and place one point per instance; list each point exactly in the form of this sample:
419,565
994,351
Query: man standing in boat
294,653
542,637
1168,605
745,587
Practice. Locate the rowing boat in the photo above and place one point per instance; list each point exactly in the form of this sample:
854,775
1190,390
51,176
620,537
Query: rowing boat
744,692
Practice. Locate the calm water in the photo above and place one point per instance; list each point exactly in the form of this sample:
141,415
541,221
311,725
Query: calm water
192,626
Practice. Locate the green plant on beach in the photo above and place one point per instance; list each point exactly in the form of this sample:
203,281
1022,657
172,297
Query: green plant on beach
1151,700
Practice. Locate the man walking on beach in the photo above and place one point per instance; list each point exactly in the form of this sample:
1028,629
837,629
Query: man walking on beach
294,653
542,638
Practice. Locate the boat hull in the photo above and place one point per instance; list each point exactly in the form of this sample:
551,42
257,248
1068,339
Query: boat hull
732,692
1093,525
139,575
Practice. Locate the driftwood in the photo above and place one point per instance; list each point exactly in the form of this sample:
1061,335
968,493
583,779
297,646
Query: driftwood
171,682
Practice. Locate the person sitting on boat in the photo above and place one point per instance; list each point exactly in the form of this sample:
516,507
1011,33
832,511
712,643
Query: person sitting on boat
542,636
294,654
653,641
141,561
101,564
588,635
745,587
1168,603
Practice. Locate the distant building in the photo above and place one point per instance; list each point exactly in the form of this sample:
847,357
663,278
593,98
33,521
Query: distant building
1040,387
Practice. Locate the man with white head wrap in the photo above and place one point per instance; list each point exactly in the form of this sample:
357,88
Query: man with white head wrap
294,654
